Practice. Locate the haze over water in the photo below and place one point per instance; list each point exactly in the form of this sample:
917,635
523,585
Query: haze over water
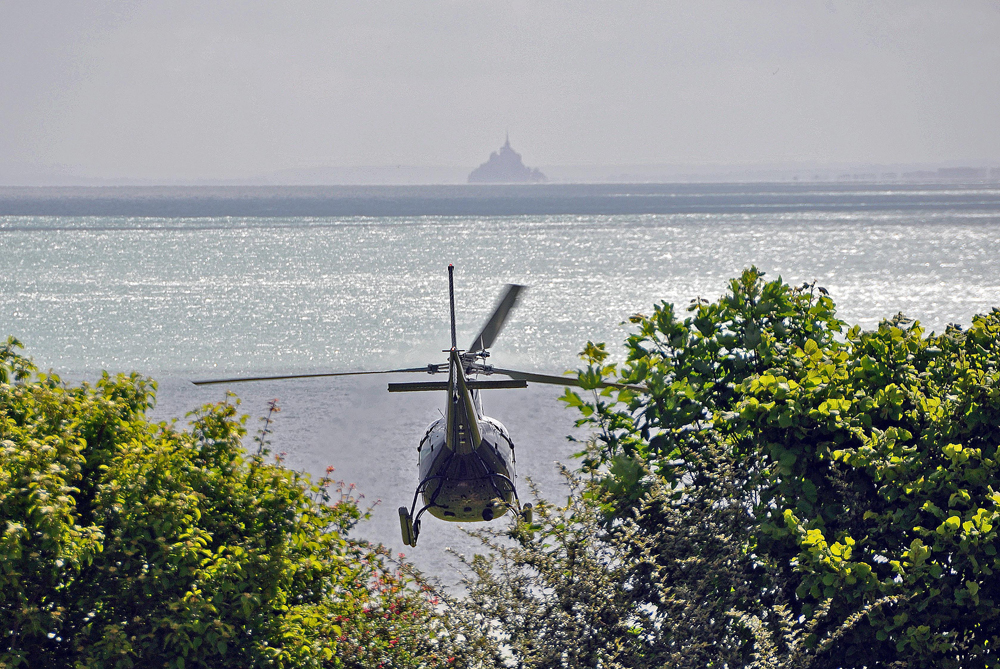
182,296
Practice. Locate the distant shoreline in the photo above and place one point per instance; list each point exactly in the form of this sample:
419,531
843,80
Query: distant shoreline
492,199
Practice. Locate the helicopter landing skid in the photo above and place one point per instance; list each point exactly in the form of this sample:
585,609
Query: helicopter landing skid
521,510
406,527
410,523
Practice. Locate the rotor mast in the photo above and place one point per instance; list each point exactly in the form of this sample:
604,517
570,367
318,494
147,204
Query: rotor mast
451,299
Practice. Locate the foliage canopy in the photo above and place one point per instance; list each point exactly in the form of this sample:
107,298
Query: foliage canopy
125,543
865,464
790,492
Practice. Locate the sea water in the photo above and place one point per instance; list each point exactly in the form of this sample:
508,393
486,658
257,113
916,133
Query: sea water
190,297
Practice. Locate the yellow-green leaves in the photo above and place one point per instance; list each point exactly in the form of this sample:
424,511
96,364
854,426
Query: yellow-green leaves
889,437
956,453
918,552
950,525
128,544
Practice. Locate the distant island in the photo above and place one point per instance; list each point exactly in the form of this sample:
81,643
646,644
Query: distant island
505,166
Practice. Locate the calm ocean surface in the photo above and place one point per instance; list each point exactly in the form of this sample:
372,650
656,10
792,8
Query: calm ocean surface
184,284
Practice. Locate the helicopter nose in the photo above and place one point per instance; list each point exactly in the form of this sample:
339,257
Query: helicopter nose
488,513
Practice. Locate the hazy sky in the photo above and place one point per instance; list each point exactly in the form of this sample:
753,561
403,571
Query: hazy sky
158,89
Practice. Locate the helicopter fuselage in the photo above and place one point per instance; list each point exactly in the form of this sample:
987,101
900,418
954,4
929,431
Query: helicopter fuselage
467,484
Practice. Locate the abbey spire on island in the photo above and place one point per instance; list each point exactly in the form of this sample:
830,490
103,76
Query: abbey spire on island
505,166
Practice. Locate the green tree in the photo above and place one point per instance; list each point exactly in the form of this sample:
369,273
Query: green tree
125,543
559,596
643,590
866,465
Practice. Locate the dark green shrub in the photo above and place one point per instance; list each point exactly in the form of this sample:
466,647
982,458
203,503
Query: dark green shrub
124,543
866,464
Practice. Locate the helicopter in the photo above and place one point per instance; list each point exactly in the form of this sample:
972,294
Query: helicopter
465,459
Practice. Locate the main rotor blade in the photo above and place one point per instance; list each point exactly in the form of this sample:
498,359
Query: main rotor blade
428,369
552,379
493,326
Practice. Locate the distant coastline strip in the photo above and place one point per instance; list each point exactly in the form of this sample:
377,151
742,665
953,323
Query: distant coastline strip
471,200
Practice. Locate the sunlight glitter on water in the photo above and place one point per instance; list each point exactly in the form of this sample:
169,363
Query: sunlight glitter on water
218,297
298,297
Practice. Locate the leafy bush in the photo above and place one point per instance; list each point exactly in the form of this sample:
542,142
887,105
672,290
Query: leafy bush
866,465
558,597
124,543
575,590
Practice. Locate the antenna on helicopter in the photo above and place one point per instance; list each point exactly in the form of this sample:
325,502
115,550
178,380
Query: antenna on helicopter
451,298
